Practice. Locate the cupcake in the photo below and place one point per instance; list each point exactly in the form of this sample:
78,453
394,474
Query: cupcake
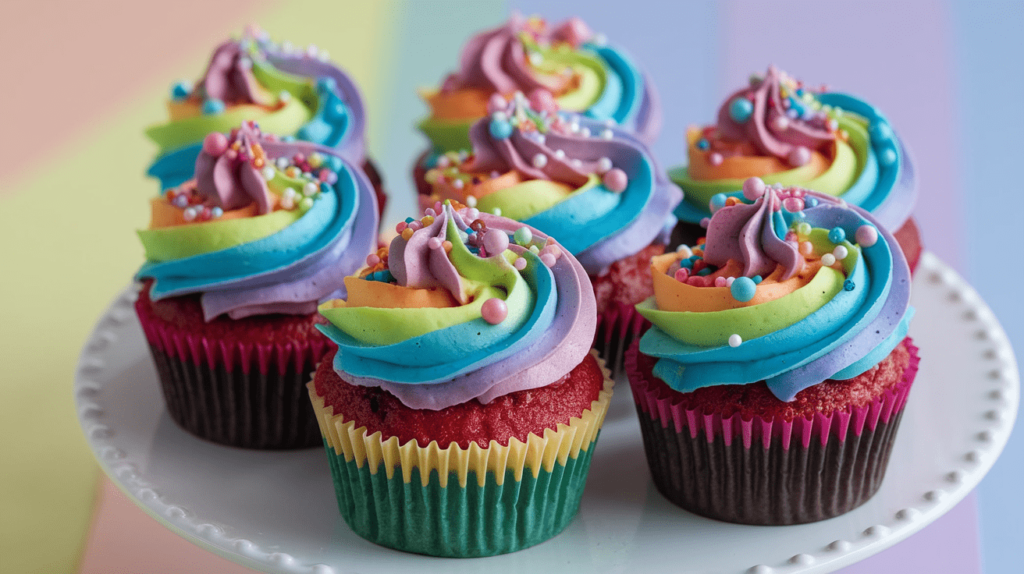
771,384
461,409
783,131
579,68
290,92
237,260
594,188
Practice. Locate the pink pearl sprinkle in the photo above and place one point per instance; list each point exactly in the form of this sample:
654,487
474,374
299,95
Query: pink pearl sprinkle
434,243
682,274
719,281
866,235
615,179
215,144
520,263
793,204
715,159
494,310
401,226
799,156
548,259
753,188
542,100
780,123
495,241
372,259
496,103
806,248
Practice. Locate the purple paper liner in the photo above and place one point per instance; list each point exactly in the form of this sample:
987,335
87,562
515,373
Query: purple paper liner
767,471
246,395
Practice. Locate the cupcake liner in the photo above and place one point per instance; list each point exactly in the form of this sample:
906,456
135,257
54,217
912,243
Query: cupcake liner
768,471
617,328
454,501
237,394
373,174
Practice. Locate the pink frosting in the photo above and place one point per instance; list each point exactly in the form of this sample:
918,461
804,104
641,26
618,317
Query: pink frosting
229,77
762,128
230,180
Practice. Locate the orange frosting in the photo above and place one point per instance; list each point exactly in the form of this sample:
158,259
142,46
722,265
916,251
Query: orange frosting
362,293
464,104
166,215
746,164
672,295
488,185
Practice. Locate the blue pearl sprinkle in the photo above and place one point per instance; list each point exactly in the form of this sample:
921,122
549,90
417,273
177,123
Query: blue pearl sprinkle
717,202
849,285
810,202
743,289
887,157
180,90
326,84
757,279
500,129
740,109
213,106
703,144
880,132
837,235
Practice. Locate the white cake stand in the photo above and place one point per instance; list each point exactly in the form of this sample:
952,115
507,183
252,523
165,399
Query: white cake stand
276,512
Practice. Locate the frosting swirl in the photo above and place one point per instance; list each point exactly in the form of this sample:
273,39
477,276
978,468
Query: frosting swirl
463,305
595,187
264,227
785,132
582,72
778,292
296,94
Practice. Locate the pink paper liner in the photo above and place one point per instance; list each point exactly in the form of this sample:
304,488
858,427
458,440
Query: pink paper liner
249,395
617,328
838,424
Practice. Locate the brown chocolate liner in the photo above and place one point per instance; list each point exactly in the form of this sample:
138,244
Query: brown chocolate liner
766,475
617,328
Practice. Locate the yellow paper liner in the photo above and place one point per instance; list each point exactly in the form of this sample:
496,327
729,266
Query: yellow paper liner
556,446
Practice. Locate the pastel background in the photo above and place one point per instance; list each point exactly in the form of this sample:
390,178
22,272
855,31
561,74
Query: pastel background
82,81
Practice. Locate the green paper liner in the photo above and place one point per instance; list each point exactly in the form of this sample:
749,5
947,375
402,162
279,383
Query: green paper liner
456,521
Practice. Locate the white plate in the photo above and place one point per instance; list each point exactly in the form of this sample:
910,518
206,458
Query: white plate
275,511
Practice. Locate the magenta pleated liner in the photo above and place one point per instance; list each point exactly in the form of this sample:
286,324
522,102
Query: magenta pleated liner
768,471
617,328
237,394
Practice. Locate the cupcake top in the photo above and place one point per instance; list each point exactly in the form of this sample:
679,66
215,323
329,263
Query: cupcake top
263,227
463,305
595,188
791,287
291,92
578,67
783,131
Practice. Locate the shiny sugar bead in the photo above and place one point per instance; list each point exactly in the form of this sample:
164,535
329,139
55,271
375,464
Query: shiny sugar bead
735,340
615,180
753,188
494,310
500,129
837,235
799,156
496,103
495,241
717,202
180,90
215,144
743,289
866,235
213,106
520,263
840,252
740,109
542,100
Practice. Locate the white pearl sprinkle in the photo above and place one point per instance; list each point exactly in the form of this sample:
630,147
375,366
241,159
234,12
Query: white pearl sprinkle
499,116
539,161
496,211
574,127
585,132
458,184
600,39
268,173
323,56
443,161
287,46
310,188
729,281
536,58
312,51
828,260
735,340
470,201
609,123
840,252
289,192
288,202
606,134
577,163
604,164
559,154
284,96
540,138
685,251
282,162
189,214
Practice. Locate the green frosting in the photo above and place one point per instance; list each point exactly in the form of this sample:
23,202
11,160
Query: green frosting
524,200
276,81
456,521
187,131
380,326
448,135
589,68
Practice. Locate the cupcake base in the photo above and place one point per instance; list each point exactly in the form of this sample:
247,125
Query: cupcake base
373,174
626,283
767,469
234,382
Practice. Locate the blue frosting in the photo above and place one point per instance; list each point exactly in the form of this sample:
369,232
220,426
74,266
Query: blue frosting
845,337
621,99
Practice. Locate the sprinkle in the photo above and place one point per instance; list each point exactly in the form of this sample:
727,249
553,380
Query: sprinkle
806,248
522,236
180,201
520,263
606,134
289,193
753,188
216,213
720,282
407,233
837,235
470,201
548,259
427,220
434,243
743,289
534,249
828,260
539,161
682,274
715,158
447,245
559,154
804,229
615,180
849,285
189,214
729,281
306,204
702,144
840,252
705,222
585,132
310,189
866,235
212,107
495,241
372,259
603,165
268,173
799,156
735,340
685,251
458,184
496,211
401,226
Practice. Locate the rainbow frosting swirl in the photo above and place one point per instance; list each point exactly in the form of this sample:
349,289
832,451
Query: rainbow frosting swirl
463,305
582,72
791,287
594,187
782,131
295,93
264,227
